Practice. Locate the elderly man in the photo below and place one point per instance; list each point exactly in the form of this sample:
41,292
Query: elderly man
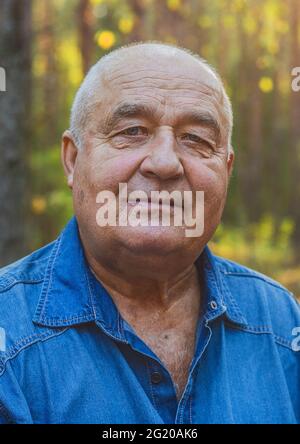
136,323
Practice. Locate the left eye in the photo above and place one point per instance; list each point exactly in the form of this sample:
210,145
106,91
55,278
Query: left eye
135,131
192,137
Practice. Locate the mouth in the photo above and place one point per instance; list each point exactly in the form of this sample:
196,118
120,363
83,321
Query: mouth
151,203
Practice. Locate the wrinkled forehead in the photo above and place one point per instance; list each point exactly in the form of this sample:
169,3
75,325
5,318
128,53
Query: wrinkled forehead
169,73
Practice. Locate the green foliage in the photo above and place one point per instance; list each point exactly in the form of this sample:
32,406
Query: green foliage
264,246
261,245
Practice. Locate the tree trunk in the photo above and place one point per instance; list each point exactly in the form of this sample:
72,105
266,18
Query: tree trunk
86,44
15,39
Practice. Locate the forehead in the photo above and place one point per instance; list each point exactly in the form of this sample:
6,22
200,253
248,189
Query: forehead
162,80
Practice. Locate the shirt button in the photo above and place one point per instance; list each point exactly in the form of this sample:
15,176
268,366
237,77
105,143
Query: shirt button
213,305
156,378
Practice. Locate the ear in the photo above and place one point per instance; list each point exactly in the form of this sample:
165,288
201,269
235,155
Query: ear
69,153
230,160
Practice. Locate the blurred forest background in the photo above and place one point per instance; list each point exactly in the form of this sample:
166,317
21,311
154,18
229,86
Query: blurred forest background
46,46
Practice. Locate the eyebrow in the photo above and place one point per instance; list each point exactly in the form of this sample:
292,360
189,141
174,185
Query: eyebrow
129,110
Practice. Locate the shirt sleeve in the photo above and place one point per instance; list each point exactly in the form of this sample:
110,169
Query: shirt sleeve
14,408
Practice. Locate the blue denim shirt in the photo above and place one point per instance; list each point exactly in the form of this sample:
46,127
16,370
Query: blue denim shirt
69,357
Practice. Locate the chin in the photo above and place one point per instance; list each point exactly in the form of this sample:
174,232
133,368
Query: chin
155,240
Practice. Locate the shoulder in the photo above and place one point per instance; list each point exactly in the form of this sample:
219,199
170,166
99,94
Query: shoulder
30,268
20,289
266,304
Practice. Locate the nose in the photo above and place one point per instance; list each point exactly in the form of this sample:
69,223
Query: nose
162,160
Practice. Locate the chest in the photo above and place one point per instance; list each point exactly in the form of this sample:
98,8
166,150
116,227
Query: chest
174,347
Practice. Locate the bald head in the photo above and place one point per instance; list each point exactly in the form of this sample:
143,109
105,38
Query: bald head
141,57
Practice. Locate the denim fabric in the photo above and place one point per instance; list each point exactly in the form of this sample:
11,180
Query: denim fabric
67,355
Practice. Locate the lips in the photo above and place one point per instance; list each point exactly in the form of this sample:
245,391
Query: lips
151,202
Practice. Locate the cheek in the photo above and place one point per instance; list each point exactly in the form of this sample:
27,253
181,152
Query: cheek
213,181
84,200
210,179
106,168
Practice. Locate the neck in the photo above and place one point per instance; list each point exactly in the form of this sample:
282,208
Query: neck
148,293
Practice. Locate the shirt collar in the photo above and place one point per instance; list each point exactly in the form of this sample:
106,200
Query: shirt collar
218,298
72,295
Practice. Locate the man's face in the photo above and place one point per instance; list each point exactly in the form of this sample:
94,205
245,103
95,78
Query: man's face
159,126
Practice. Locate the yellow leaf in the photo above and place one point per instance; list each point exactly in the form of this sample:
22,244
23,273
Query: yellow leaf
273,47
173,5
266,84
96,2
38,204
125,24
205,21
106,39
68,52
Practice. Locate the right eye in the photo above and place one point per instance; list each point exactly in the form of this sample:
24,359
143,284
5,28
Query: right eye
135,131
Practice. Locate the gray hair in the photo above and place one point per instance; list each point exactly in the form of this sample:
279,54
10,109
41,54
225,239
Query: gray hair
85,99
